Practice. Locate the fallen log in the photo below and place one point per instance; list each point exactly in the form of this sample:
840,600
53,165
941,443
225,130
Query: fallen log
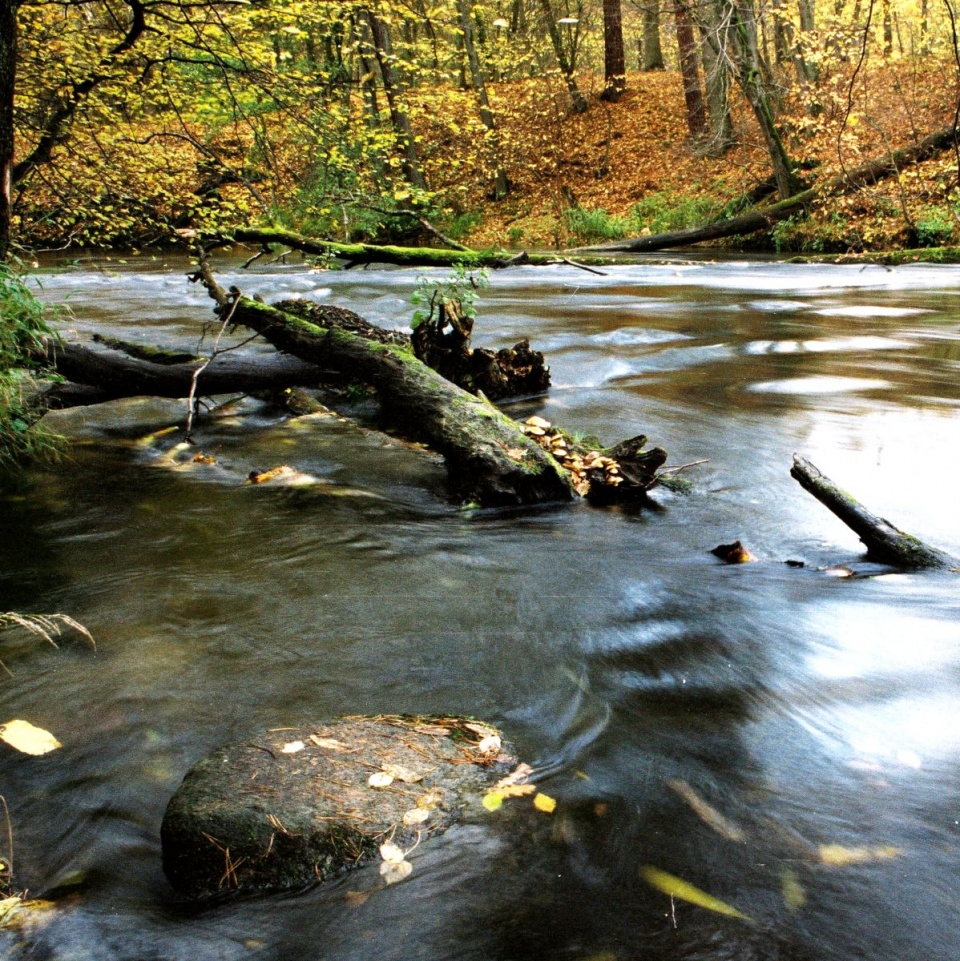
355,255
488,458
109,375
884,542
762,218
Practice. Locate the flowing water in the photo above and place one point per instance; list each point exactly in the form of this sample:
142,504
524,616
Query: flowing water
786,740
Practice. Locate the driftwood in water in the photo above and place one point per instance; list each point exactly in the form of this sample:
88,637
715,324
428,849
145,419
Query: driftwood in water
488,458
96,375
762,218
885,543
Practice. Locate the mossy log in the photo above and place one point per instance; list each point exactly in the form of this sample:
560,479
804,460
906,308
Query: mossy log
884,542
355,255
488,458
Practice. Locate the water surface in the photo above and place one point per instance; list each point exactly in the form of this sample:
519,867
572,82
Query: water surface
816,714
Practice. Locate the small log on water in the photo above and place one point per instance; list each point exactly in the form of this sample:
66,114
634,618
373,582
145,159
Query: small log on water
885,543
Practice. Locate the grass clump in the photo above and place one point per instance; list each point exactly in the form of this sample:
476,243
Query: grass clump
24,339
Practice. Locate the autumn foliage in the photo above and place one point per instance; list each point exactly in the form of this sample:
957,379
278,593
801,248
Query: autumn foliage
343,119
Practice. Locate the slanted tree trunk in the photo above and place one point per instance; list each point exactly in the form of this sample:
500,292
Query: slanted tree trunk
501,185
763,218
578,103
614,63
398,114
884,542
8,71
750,71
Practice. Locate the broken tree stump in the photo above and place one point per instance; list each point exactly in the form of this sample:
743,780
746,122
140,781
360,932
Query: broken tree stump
884,542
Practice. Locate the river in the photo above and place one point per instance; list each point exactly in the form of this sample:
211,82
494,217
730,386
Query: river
781,738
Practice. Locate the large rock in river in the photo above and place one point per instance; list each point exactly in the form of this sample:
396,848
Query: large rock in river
292,807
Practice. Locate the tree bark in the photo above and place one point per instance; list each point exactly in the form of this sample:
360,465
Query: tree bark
884,542
614,62
652,49
720,136
765,217
110,375
690,71
359,254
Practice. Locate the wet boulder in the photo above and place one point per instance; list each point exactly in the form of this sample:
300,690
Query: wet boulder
292,807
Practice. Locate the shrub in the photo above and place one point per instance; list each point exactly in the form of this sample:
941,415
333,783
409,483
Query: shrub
24,335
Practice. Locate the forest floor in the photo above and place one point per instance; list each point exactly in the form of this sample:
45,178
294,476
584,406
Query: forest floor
629,168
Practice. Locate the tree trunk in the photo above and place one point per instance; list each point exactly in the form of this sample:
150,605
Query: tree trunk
720,137
750,71
807,71
765,217
652,49
578,102
110,375
690,70
398,114
614,63
8,71
884,542
501,185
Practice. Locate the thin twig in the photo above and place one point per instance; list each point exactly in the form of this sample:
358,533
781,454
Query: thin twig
191,399
6,815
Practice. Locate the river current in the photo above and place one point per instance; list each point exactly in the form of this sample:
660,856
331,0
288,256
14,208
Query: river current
781,738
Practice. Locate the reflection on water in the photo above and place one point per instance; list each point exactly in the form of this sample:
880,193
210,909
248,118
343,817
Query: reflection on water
816,715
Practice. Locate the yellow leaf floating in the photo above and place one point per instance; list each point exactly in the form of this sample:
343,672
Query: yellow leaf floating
837,856
24,737
678,888
545,803
493,800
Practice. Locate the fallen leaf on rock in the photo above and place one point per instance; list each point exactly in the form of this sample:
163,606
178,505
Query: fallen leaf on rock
330,743
291,747
545,803
391,852
484,730
25,737
516,790
493,800
380,779
400,773
415,816
431,799
678,888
